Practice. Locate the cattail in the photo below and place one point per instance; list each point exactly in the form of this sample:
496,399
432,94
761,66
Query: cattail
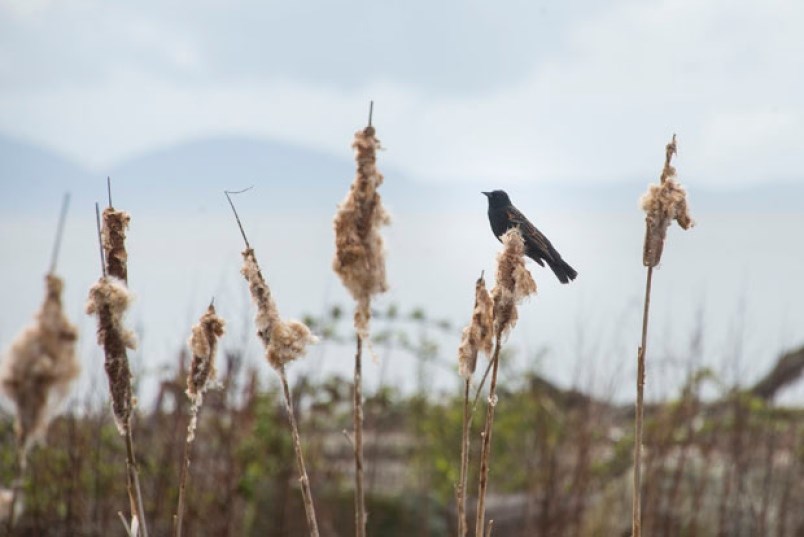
359,256
513,282
203,344
108,300
40,366
360,263
662,204
478,336
284,341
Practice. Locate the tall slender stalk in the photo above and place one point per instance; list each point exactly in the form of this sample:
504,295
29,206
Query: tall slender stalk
485,452
461,488
360,499
636,507
307,495
662,204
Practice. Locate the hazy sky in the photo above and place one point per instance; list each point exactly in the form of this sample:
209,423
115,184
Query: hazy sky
520,90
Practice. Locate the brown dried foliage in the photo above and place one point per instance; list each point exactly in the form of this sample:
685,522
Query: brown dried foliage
662,204
513,282
113,235
359,257
284,341
40,366
479,335
108,300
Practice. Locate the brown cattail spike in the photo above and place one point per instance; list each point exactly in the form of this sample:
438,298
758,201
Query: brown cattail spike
39,367
109,299
513,282
479,335
115,224
359,258
203,344
284,341
662,204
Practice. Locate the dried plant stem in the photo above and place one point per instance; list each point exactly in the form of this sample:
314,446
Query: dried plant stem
461,490
185,469
360,498
309,508
133,483
640,412
485,452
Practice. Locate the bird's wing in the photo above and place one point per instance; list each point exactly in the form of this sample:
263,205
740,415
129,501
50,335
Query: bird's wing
533,237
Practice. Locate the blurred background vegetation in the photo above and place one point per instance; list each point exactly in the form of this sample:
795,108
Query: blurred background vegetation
727,464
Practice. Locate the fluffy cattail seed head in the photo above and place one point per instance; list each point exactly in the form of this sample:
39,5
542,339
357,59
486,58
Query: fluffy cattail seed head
662,204
39,367
108,300
513,282
359,256
479,335
203,344
115,224
284,341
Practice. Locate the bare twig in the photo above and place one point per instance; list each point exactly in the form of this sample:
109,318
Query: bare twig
371,112
100,239
461,489
109,190
237,217
640,412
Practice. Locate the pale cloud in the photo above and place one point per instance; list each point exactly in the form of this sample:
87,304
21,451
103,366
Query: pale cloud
596,103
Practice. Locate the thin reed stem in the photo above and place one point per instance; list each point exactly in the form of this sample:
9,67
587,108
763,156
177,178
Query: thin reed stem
309,508
360,499
185,469
461,492
485,453
640,412
133,483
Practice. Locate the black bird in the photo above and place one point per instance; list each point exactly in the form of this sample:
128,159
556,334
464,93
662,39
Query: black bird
503,216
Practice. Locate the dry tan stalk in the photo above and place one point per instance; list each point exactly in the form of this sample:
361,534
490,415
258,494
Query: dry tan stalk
662,204
203,344
284,341
513,284
360,263
476,337
109,299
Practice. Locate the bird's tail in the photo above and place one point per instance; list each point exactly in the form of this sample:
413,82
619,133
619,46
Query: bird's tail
562,270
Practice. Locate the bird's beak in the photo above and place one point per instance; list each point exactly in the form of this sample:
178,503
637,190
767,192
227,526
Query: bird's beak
487,194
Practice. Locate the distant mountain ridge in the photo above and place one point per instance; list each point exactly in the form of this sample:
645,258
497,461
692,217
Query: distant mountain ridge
287,178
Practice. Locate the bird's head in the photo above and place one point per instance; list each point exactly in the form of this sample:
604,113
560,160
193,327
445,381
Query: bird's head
497,198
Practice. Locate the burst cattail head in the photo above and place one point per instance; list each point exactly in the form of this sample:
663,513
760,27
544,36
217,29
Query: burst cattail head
108,300
359,256
203,344
39,367
284,341
478,336
113,234
662,204
513,282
